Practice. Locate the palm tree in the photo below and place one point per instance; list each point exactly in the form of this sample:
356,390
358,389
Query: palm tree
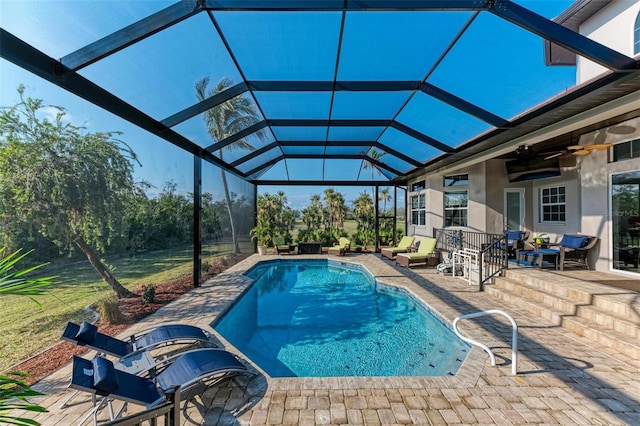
224,120
375,155
385,197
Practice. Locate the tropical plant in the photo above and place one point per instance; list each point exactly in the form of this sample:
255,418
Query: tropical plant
222,121
14,391
13,396
71,186
16,282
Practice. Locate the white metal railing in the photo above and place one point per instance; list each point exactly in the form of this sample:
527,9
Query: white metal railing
514,336
467,262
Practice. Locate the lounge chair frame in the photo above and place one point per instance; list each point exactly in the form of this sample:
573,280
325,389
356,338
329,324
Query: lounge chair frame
402,247
144,340
150,392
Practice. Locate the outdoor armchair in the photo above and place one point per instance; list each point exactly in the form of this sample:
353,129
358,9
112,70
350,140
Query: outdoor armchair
515,241
343,247
402,247
425,251
282,246
574,250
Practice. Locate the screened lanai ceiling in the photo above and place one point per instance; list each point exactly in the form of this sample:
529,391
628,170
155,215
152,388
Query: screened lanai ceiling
340,92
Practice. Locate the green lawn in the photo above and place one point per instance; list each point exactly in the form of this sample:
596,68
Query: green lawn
27,329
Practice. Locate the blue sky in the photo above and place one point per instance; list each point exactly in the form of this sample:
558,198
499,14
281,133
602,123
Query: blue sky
60,27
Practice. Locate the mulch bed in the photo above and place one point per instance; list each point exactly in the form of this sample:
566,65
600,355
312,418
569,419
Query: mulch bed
133,310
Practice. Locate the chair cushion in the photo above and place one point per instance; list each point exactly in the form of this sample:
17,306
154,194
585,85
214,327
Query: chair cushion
87,332
513,235
574,241
104,375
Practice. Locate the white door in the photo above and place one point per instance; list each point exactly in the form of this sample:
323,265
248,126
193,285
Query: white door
514,208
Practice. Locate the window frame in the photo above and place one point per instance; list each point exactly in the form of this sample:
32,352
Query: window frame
464,210
636,36
420,209
562,215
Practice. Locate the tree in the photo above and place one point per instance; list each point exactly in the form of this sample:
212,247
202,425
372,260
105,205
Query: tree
73,187
367,164
224,120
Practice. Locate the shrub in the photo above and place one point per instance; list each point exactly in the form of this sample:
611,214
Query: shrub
109,309
148,293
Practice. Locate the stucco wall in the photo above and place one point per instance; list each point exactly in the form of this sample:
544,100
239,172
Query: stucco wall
613,27
596,204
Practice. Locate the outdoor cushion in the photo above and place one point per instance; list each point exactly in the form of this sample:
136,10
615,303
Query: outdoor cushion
87,332
574,241
513,235
104,375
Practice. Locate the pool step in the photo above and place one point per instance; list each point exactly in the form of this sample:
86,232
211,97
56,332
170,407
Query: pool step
608,316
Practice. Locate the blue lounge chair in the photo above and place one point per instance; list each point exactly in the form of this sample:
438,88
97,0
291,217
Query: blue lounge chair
100,378
87,334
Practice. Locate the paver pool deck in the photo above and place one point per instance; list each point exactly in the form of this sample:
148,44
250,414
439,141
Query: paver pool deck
562,378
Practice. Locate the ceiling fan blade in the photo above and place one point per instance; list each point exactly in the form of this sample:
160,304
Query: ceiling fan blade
600,146
581,152
623,129
601,136
575,147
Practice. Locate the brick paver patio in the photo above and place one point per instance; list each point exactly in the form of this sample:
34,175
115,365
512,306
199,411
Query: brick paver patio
562,377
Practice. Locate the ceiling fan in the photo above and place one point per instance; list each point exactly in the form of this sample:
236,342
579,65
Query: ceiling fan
599,142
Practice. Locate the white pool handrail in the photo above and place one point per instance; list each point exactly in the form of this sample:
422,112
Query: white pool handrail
514,336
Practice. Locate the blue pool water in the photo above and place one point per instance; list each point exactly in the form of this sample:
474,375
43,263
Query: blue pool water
321,318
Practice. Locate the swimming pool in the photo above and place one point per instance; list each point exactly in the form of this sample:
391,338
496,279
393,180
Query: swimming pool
322,318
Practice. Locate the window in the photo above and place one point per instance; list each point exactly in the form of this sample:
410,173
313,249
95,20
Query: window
417,186
456,180
636,36
418,210
552,204
455,208
626,150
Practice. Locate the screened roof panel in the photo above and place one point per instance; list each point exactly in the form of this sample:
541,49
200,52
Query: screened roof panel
353,133
283,45
295,104
305,169
299,133
425,83
368,173
248,165
195,129
128,73
346,150
246,146
499,68
427,115
301,150
341,170
58,28
413,147
395,162
395,45
368,105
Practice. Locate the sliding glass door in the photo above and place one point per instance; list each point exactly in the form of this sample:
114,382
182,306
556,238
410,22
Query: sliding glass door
625,220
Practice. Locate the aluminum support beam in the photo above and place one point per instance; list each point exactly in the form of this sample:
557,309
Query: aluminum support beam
344,5
205,105
129,35
562,36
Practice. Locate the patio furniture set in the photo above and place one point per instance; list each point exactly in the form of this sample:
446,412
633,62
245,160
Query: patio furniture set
572,250
137,374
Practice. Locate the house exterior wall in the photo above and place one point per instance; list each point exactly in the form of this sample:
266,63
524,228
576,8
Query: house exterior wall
596,171
612,27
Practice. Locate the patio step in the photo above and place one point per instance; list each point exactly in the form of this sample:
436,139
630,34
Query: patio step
602,323
622,303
